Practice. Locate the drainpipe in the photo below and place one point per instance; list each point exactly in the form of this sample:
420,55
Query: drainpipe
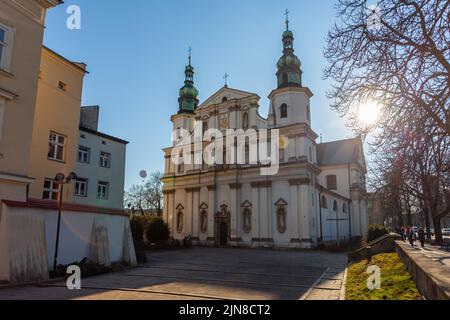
320,212
349,205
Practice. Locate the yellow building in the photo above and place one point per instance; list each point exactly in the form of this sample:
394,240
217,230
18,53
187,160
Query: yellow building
56,124
21,34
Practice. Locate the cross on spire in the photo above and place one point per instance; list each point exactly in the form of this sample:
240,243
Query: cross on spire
190,55
287,19
226,76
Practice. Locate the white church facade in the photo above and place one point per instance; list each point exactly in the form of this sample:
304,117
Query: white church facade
318,194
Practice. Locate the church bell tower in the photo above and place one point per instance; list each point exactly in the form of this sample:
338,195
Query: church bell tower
187,102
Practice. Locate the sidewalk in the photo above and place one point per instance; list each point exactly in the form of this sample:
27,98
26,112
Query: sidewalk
430,268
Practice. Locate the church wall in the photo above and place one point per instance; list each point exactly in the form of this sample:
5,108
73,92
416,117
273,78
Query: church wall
281,190
341,172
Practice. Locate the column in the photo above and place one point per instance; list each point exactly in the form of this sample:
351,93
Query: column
188,212
234,210
195,212
293,212
211,212
255,212
305,219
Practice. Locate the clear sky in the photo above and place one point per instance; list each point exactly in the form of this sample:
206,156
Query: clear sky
136,52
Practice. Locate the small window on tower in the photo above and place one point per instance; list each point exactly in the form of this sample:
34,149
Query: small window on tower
285,78
224,99
283,111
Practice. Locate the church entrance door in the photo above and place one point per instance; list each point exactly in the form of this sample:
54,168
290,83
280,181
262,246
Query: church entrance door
223,234
222,226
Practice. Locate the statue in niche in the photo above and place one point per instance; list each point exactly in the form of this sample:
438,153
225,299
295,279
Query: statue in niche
247,220
203,221
180,221
281,220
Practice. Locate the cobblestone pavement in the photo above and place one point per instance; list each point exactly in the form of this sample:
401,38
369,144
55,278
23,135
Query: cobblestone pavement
211,273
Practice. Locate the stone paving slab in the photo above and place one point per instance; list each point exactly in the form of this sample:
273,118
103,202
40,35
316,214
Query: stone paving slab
209,274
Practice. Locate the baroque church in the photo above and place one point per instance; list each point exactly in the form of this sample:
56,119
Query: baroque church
318,195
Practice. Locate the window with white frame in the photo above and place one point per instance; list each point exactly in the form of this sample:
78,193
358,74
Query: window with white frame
81,187
4,46
84,154
103,190
51,190
56,146
105,159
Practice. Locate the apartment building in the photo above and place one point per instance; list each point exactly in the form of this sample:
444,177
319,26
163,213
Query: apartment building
100,164
22,24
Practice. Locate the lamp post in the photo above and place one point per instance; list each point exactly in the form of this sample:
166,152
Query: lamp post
61,180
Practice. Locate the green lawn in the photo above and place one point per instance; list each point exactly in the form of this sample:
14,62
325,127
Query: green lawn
396,282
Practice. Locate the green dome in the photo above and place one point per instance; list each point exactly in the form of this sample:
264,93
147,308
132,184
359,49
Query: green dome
189,92
189,68
290,60
288,34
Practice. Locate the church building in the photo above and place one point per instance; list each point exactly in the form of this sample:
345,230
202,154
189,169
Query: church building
318,195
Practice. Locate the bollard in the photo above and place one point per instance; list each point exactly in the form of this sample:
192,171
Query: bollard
369,253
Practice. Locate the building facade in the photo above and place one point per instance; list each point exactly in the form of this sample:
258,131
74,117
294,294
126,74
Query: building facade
318,194
100,164
22,26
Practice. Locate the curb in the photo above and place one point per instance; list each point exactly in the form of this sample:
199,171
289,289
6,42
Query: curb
344,282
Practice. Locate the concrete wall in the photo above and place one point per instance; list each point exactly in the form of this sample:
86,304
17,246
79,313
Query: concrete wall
28,237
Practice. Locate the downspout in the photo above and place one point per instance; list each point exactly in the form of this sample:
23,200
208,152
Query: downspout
320,212
349,205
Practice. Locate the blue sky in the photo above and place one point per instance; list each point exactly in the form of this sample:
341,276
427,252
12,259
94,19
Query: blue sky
136,55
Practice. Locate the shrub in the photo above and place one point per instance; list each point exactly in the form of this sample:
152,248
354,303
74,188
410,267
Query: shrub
157,231
138,226
376,231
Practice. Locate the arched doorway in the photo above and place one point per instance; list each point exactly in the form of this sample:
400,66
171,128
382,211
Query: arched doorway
223,234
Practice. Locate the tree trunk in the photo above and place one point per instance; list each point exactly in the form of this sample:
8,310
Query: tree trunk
426,217
437,230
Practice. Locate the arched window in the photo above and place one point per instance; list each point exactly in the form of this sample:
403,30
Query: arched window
332,182
205,126
245,121
224,99
285,78
335,206
324,202
344,208
308,112
283,111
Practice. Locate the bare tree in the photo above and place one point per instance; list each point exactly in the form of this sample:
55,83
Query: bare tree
401,61
148,196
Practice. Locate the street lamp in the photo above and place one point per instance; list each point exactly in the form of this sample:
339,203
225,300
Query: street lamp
61,180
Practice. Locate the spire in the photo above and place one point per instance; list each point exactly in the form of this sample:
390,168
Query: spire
188,101
287,19
289,72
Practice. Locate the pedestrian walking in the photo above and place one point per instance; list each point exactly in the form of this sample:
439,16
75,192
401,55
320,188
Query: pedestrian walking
411,236
421,236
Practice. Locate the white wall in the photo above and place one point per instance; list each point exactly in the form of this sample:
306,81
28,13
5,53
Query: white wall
74,242
92,171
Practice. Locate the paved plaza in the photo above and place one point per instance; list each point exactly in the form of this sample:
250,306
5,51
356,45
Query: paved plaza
212,273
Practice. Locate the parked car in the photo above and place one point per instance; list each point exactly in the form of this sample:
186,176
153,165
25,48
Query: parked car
446,232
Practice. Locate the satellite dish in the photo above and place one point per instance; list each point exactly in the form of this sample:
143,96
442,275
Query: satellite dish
143,174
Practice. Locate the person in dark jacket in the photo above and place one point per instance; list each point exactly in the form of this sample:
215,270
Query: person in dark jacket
411,236
421,236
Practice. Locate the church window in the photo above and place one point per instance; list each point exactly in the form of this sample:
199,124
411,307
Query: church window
310,154
205,127
344,208
308,112
332,182
335,206
324,202
283,111
285,78
245,121
224,99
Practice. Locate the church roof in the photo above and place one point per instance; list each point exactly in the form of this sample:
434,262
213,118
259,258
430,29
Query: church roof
340,152
229,93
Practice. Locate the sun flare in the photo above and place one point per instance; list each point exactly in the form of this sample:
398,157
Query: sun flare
369,113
